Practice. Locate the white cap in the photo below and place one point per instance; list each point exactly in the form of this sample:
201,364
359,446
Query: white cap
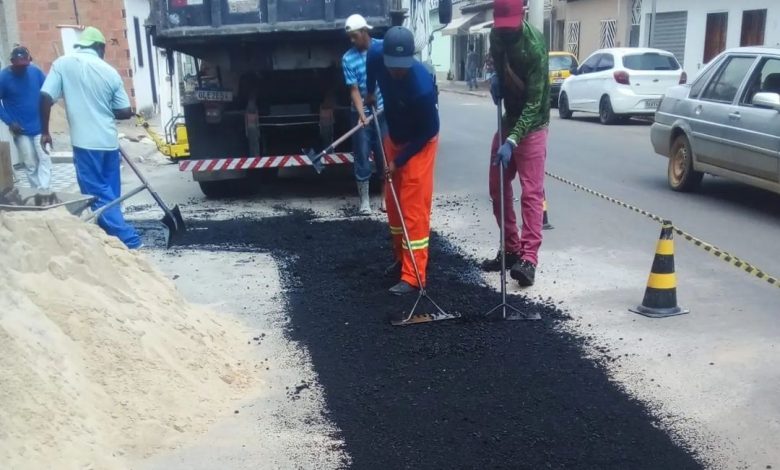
356,23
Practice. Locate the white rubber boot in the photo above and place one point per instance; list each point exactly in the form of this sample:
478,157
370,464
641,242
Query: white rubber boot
365,202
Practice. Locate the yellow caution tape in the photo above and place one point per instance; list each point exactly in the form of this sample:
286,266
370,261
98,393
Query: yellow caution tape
708,247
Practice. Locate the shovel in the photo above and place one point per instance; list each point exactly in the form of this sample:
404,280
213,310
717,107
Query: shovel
172,218
316,158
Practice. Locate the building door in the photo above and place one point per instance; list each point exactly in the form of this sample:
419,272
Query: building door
636,23
715,36
670,33
753,26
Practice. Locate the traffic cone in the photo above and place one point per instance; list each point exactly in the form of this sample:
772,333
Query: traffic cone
546,225
661,295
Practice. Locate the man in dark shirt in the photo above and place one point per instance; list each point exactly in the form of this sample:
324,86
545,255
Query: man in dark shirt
20,90
411,110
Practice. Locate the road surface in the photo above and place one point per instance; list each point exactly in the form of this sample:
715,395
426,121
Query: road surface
710,377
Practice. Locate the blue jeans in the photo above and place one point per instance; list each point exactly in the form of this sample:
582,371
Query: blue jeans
98,174
364,142
471,78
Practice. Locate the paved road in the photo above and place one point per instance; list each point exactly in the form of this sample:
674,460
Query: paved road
712,375
596,262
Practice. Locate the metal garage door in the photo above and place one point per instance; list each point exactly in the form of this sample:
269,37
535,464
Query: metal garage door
670,31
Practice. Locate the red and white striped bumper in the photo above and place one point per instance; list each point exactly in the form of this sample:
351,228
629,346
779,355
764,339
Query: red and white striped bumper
260,163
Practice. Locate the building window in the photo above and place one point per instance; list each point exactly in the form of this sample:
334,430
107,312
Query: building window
138,45
573,38
753,26
636,22
607,36
715,36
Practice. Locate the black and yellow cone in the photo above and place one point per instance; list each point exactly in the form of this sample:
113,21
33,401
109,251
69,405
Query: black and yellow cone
546,225
661,295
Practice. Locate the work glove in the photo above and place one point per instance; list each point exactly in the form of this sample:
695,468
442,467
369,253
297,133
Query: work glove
504,154
495,89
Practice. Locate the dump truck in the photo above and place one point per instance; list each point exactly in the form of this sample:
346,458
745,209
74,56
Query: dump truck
267,80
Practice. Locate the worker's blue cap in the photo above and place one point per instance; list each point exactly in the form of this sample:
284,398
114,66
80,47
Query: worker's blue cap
398,48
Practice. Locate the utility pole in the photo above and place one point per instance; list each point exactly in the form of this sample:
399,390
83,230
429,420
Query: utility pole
536,14
652,25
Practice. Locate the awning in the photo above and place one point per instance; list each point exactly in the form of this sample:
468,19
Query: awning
482,28
459,25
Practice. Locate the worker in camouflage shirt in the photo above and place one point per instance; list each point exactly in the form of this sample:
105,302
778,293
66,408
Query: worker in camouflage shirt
521,82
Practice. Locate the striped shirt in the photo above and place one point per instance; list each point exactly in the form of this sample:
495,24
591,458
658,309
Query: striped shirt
354,65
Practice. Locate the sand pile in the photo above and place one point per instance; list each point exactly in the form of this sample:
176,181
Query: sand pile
100,357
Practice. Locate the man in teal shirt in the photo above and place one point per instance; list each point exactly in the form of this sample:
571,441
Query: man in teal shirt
94,98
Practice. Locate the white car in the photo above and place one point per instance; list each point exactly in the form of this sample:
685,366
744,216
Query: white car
619,83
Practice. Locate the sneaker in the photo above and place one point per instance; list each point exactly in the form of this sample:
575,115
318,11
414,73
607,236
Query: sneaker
494,265
524,273
403,288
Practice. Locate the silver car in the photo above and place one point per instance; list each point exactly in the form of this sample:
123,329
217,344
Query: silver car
725,123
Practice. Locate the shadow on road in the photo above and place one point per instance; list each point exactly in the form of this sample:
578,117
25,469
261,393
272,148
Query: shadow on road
465,394
633,122
731,194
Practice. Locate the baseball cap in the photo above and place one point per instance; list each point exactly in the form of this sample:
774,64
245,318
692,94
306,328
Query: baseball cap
398,48
20,55
90,36
508,13
356,23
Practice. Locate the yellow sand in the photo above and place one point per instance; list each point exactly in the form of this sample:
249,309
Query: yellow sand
100,357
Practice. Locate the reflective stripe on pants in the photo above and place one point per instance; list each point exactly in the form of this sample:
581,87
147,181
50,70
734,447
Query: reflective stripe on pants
414,184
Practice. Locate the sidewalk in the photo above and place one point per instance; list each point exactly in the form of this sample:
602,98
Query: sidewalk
463,89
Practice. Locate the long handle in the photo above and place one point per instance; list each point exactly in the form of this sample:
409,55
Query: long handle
398,208
501,190
145,183
346,136
113,203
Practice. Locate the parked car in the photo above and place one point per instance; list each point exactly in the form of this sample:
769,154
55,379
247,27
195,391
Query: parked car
620,83
726,123
560,65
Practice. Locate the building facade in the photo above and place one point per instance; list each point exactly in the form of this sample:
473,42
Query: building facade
697,31
590,25
49,28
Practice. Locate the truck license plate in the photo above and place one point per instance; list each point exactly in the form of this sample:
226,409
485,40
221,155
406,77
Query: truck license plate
652,104
214,95
242,6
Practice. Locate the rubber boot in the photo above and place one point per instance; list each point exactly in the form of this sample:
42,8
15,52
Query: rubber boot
365,202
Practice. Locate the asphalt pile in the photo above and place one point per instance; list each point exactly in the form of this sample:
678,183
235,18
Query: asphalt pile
463,394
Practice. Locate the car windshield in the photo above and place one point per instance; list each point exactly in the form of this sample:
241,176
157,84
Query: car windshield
650,61
561,62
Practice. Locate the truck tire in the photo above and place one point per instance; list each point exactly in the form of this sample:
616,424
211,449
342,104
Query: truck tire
680,174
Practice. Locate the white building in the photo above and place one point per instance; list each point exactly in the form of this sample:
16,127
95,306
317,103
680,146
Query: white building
698,30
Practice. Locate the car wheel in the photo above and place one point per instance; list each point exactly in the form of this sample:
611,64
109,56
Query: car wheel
606,115
563,107
681,175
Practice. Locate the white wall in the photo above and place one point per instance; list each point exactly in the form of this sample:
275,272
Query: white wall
697,24
142,82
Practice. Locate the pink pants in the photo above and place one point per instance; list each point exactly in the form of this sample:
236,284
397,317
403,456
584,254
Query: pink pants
527,162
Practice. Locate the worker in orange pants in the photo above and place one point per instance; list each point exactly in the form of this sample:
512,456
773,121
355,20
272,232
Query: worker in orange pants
412,114
414,185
